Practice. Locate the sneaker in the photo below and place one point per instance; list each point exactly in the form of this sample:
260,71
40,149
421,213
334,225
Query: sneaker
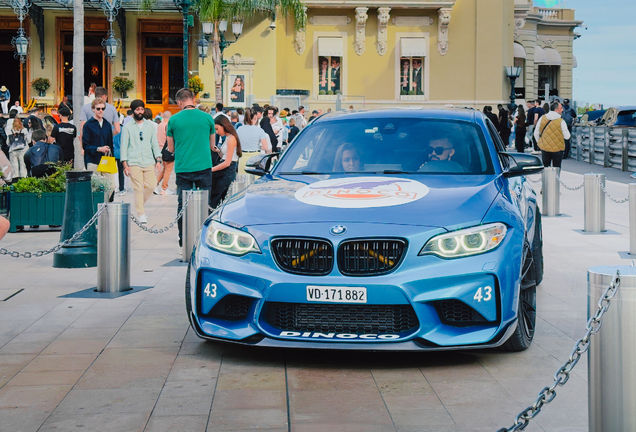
142,219
168,192
157,190
122,192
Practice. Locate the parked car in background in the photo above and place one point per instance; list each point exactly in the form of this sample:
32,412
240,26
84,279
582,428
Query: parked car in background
590,118
619,116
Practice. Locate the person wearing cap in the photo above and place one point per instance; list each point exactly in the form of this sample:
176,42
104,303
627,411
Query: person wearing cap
5,98
140,155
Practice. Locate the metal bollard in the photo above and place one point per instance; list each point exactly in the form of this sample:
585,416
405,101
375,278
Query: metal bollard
632,218
551,191
193,217
612,354
594,220
113,248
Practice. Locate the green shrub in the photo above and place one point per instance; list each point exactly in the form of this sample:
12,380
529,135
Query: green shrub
322,93
330,93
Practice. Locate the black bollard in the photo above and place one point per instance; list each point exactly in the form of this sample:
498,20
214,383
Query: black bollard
78,210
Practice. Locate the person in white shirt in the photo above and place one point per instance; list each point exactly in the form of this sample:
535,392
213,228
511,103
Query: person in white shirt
16,106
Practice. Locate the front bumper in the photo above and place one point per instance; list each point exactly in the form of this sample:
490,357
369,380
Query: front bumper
231,297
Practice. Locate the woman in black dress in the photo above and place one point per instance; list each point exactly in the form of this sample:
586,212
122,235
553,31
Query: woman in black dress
520,131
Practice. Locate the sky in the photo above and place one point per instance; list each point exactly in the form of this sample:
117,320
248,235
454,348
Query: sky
605,52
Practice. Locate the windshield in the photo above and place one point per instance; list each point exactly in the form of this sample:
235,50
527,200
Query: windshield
626,118
389,145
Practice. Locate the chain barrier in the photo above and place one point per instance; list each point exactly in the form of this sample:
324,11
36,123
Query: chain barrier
57,247
562,375
167,227
618,201
568,187
532,180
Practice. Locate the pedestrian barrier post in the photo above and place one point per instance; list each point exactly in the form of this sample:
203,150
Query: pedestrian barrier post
78,210
113,248
196,212
611,358
632,218
551,191
594,220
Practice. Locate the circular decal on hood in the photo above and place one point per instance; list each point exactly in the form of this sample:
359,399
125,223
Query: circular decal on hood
362,192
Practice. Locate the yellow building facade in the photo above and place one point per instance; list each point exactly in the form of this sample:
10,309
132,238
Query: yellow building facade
360,53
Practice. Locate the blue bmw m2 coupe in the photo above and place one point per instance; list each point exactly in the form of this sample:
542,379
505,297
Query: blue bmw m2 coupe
383,230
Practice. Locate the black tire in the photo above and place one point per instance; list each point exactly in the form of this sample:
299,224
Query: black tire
537,249
527,309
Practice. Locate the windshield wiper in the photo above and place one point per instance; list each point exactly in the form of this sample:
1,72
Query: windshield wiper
396,172
300,173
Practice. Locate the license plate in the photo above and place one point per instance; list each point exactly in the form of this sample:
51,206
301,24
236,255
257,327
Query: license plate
334,294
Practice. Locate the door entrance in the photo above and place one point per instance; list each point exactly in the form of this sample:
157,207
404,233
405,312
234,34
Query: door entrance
164,77
11,67
95,64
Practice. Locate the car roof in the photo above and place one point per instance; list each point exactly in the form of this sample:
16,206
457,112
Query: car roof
465,114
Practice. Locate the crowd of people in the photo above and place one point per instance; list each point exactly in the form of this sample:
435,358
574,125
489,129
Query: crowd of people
545,128
205,148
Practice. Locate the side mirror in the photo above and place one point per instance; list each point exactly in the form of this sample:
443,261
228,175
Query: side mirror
260,164
522,164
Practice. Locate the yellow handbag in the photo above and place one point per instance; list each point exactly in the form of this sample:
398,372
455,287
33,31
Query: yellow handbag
107,165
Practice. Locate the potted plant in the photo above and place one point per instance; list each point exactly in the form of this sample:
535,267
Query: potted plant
41,85
195,85
123,85
40,201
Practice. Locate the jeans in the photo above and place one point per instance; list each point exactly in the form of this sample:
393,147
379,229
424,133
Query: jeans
552,157
17,163
188,181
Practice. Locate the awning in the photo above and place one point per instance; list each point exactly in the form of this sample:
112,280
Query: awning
553,57
574,63
330,47
413,47
520,51
539,55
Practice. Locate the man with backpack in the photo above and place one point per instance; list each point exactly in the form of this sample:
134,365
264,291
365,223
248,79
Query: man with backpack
39,157
569,117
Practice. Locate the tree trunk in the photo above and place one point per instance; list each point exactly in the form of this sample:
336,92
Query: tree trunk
78,75
218,67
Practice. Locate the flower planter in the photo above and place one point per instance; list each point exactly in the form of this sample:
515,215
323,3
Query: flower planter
48,209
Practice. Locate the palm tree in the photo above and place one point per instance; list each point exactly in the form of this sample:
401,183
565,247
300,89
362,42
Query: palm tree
232,10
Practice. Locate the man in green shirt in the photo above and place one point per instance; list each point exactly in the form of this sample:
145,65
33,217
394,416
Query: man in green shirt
190,136
140,156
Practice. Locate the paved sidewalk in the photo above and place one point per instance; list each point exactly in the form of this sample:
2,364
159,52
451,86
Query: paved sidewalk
131,363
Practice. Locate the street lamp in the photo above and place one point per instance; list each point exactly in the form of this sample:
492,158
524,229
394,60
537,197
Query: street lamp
223,26
21,44
513,72
111,45
203,45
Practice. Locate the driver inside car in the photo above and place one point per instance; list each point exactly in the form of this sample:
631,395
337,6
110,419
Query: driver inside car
439,150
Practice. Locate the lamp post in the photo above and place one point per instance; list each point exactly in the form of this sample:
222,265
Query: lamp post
184,7
203,45
512,72
21,42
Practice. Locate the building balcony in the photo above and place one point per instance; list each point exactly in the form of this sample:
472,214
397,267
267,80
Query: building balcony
553,14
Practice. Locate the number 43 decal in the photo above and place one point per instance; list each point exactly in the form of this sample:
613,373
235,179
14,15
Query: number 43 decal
210,290
484,295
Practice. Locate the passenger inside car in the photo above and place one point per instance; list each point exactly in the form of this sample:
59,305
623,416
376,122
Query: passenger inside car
347,159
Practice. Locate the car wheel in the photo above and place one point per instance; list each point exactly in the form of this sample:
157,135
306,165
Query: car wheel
537,249
527,309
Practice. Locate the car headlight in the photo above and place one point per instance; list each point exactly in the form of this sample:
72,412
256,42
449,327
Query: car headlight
466,242
230,240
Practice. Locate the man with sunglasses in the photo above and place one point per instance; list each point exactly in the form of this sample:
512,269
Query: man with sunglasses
97,137
140,155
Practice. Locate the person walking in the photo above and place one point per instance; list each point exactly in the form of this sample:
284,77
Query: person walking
569,117
190,136
266,125
110,114
504,126
140,156
5,99
97,138
42,152
18,146
551,133
166,156
64,134
230,152
520,129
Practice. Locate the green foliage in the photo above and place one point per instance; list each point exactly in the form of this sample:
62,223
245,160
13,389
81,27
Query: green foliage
123,84
195,84
215,10
322,93
55,183
100,184
41,84
330,93
411,92
403,92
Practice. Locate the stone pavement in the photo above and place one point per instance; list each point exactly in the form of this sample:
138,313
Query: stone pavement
73,363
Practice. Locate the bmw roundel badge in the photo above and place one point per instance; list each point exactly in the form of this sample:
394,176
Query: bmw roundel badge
338,229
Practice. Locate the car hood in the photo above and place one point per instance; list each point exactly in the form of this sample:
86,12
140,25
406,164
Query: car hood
446,201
